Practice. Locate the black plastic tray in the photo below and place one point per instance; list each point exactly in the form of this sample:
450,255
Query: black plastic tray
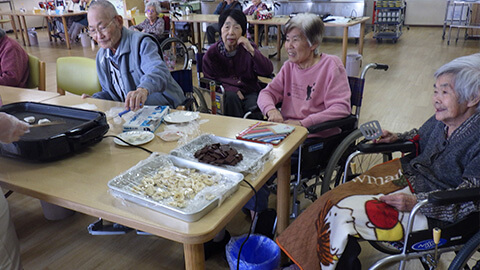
81,128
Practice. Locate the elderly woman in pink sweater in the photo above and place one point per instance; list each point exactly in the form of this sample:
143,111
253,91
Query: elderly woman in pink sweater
312,86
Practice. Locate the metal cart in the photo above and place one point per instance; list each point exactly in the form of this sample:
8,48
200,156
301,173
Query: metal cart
389,18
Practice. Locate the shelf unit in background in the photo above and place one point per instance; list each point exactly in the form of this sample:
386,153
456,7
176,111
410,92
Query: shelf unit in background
389,18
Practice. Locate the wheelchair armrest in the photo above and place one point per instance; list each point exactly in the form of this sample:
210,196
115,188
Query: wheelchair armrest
404,147
349,120
454,196
207,81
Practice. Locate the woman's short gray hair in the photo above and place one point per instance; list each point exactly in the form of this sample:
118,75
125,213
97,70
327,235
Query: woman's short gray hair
154,4
310,25
466,73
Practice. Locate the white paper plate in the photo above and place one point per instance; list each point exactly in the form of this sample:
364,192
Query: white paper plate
180,117
135,137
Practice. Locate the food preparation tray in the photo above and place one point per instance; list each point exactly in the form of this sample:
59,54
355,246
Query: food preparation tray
76,130
126,186
254,154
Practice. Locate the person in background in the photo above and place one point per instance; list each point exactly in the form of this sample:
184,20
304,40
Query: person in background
257,5
215,28
153,24
14,70
10,131
236,63
80,21
129,65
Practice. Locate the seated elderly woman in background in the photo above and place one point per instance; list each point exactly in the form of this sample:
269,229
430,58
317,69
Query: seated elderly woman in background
257,5
153,24
236,63
448,158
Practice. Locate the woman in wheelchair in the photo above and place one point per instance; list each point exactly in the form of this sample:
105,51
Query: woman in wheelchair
153,24
375,205
236,63
312,86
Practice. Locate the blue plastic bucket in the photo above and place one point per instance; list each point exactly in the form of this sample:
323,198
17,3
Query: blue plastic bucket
258,253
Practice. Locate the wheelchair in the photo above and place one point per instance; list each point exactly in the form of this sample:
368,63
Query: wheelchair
175,54
309,168
462,237
210,93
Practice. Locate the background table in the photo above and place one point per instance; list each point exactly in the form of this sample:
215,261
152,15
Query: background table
80,182
48,15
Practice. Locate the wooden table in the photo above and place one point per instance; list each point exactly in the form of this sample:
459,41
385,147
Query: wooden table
80,182
12,16
279,22
48,15
14,94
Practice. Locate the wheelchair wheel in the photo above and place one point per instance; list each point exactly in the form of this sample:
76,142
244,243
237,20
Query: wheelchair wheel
270,42
334,171
464,260
174,53
200,101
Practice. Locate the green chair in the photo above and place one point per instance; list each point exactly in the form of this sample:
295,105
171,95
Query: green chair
37,76
77,75
139,18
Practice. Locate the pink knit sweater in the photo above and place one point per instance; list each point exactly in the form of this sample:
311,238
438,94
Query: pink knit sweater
313,95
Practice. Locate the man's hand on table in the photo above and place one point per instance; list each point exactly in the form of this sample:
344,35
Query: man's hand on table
136,99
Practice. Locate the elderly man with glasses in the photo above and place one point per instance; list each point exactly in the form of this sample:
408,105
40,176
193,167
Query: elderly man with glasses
129,65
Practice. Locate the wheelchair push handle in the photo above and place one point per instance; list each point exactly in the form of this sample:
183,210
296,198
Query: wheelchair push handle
436,235
374,66
436,239
381,66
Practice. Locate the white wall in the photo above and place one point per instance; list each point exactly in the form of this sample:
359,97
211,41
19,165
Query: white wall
425,12
418,12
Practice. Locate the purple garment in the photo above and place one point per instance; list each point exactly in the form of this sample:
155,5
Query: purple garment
237,73
156,29
252,8
14,68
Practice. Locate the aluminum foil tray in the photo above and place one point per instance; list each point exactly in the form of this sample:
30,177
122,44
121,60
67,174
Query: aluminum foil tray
254,154
204,201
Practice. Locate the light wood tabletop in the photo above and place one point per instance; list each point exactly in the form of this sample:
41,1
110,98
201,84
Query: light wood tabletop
15,94
79,182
